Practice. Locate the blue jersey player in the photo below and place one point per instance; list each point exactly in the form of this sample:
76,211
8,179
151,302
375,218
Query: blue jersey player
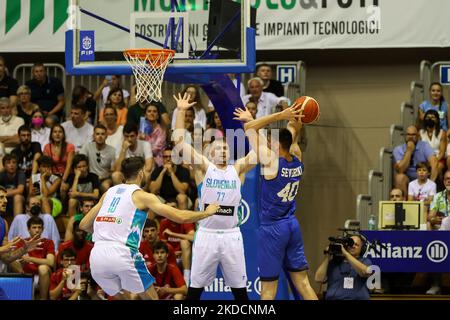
279,236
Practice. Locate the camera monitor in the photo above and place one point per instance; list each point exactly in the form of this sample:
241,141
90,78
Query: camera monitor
16,287
401,215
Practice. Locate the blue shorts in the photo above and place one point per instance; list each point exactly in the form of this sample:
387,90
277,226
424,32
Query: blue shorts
280,247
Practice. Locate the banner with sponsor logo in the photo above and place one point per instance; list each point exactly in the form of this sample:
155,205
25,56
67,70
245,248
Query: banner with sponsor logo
39,25
410,251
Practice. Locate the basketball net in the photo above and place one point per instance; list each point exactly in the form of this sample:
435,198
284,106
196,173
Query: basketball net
149,66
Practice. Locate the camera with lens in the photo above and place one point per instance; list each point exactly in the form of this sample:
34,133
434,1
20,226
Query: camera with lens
334,248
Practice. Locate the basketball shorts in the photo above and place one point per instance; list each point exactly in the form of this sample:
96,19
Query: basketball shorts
212,248
116,267
280,247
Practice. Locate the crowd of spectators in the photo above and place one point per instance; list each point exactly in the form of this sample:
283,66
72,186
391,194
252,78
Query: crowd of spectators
58,157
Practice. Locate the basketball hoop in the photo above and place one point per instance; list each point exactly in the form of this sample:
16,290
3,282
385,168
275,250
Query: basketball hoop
149,66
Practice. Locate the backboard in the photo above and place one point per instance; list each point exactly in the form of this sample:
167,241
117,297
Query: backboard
210,37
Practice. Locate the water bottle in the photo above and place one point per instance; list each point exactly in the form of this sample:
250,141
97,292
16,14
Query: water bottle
372,223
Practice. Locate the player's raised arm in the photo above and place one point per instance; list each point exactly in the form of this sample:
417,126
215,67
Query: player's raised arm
144,200
87,222
196,158
295,128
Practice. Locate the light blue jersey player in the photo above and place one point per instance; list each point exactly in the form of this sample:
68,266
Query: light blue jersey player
279,235
117,222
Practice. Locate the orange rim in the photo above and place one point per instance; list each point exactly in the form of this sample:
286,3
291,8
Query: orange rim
151,53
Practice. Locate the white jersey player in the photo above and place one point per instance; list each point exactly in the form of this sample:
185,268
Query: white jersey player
218,240
117,222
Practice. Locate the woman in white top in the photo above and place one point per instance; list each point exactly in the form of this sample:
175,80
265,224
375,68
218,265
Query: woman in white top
39,132
200,114
435,136
113,130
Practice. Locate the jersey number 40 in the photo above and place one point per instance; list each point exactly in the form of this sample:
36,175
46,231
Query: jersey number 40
289,191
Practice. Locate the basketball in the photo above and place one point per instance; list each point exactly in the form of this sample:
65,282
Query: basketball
311,110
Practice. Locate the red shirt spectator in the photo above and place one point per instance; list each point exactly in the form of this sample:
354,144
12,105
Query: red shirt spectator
46,247
147,252
174,227
55,279
171,278
83,253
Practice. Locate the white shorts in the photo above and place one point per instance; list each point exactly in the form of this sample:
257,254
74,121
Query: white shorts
218,247
116,267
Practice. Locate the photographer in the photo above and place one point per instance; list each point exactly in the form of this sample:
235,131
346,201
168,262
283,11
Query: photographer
345,272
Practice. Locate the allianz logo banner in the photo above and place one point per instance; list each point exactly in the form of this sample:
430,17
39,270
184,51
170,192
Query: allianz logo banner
410,251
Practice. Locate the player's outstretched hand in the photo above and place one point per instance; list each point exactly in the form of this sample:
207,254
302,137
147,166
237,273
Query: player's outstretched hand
34,242
242,115
183,101
212,209
292,113
10,246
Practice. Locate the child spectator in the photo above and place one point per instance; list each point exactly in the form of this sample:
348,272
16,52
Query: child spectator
39,132
422,188
59,279
169,282
86,204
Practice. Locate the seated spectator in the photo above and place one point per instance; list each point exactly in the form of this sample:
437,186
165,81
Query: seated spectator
78,130
114,131
346,276
200,114
47,92
60,151
86,204
408,155
9,125
422,189
9,252
180,237
264,72
41,260
36,208
14,181
396,195
137,110
81,183
437,102
154,133
80,245
169,283
39,132
8,85
46,184
132,147
116,100
265,101
27,153
435,137
252,107
25,108
170,182
439,207
59,279
82,96
150,236
101,157
110,83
